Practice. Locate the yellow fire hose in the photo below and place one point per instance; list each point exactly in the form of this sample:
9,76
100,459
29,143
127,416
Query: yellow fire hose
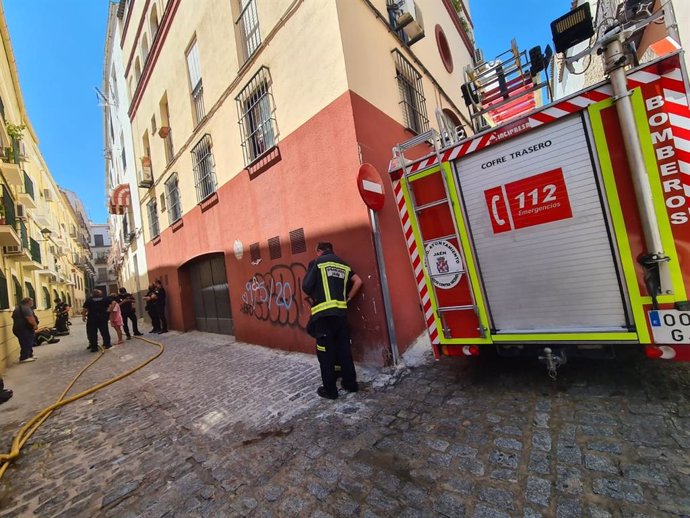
26,431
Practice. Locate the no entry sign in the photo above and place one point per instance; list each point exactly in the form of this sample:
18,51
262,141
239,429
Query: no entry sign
535,200
370,187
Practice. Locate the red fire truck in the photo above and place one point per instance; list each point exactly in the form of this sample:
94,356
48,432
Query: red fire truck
565,231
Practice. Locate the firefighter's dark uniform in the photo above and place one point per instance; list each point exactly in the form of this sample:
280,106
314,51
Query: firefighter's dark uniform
326,282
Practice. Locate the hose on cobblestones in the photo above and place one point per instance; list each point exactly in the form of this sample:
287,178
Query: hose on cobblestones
30,427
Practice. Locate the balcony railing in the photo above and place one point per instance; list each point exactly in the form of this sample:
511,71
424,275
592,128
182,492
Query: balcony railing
169,149
8,204
29,186
35,250
248,23
198,102
23,234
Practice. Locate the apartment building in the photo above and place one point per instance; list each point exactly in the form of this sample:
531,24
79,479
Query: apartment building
84,264
41,254
128,254
101,250
250,120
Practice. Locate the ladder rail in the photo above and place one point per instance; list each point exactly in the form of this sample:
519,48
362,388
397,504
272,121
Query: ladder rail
398,151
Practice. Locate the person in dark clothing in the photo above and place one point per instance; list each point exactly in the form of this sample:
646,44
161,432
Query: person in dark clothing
331,284
61,317
45,335
152,309
161,297
5,394
126,302
24,325
95,314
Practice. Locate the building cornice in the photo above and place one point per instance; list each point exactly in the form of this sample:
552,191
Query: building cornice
135,43
456,21
156,46
127,19
7,44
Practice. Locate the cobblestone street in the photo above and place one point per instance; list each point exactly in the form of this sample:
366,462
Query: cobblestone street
219,428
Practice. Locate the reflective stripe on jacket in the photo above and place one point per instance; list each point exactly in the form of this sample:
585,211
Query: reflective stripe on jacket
327,283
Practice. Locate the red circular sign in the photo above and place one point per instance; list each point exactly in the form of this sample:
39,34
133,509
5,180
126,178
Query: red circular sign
370,187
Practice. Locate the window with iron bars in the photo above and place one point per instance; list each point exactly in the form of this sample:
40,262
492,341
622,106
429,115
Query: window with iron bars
256,112
204,168
248,24
152,208
412,98
172,194
196,83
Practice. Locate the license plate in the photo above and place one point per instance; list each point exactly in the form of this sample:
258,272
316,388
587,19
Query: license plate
670,326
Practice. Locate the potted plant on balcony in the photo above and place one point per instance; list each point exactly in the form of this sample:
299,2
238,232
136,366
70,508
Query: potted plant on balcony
146,161
164,131
15,131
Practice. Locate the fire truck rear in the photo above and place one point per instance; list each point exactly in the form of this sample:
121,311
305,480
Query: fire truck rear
565,231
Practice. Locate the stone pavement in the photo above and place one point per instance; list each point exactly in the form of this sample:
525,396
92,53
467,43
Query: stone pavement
220,428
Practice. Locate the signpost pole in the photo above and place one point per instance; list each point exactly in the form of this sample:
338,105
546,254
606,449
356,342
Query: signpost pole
384,286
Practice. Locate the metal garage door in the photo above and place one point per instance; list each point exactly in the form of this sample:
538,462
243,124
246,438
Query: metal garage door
210,295
540,235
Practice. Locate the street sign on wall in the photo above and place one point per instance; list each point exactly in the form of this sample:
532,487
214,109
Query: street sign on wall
370,187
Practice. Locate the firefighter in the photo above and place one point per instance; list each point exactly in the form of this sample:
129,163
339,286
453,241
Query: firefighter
331,284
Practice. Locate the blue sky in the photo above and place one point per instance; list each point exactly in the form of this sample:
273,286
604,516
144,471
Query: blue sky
58,47
59,51
496,22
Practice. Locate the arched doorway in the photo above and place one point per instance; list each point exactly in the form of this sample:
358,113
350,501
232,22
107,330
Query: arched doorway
210,295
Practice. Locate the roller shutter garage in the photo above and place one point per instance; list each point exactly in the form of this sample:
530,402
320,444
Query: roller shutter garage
540,234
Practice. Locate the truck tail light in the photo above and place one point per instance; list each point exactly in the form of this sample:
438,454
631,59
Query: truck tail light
470,350
660,352
653,352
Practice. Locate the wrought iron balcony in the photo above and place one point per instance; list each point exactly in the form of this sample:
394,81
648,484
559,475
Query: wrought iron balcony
35,247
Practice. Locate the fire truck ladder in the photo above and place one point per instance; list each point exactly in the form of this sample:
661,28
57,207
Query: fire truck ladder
432,136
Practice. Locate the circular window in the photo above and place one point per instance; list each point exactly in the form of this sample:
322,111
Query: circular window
444,49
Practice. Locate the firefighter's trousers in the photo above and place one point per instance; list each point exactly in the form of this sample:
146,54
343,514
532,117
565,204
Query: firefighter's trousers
333,348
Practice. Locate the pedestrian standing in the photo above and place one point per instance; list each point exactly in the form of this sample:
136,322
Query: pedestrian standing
152,310
61,317
24,325
95,314
161,298
331,284
126,301
115,317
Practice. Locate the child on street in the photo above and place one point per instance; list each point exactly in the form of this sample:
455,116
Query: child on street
116,317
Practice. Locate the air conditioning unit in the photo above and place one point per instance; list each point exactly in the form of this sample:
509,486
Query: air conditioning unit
48,195
145,177
21,211
9,250
478,56
410,21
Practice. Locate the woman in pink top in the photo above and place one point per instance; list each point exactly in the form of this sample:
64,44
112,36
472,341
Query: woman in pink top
116,317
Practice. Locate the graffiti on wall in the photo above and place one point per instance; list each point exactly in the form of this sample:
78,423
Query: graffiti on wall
276,296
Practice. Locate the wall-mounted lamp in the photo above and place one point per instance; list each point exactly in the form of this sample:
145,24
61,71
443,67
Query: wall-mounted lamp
46,233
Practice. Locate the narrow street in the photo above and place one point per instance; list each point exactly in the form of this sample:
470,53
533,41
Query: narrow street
220,428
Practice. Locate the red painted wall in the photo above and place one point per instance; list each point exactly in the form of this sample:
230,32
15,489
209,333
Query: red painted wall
308,183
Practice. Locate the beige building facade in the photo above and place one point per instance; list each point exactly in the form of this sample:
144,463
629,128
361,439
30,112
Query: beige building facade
249,122
126,253
42,254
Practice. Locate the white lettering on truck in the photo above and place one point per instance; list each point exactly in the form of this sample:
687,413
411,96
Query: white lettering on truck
668,164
